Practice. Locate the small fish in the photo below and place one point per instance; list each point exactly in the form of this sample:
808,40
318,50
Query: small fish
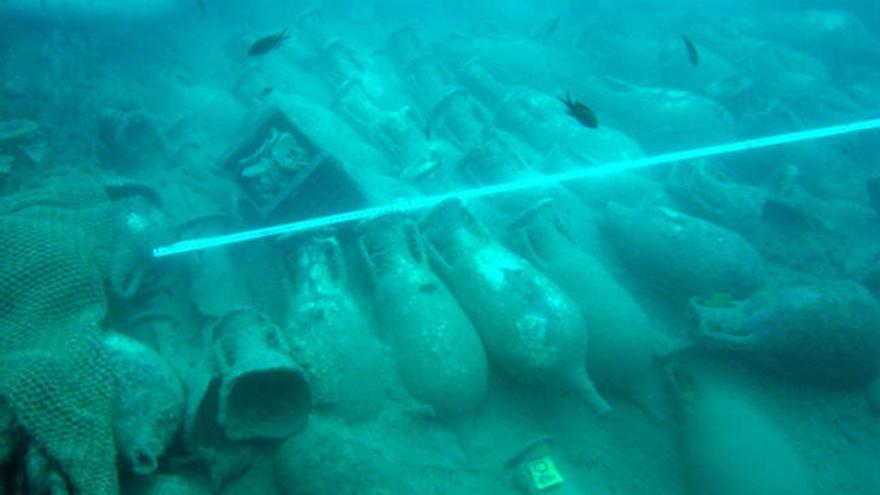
267,91
266,44
718,300
692,53
202,7
873,187
548,29
580,112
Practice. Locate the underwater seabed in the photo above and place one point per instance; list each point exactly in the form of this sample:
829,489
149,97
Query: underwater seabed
701,324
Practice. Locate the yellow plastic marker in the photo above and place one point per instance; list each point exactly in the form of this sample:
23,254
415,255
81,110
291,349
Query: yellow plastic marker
534,469
543,473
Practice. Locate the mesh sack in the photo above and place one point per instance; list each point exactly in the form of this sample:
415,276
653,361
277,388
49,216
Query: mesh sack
47,275
55,376
74,200
118,232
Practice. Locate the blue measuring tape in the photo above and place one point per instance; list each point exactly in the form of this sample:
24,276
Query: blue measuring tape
425,202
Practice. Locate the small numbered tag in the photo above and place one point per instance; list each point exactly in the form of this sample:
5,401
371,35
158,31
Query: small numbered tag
544,473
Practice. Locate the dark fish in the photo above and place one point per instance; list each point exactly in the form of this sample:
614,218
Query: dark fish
693,55
267,91
547,31
266,44
718,300
874,193
202,6
580,112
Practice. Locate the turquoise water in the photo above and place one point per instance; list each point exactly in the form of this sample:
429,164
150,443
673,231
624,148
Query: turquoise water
443,312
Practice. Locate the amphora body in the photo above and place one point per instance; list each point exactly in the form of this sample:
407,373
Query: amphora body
533,332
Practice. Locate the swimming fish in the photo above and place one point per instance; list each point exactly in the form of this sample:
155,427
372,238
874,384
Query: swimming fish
202,6
267,91
874,193
548,29
580,112
266,44
693,55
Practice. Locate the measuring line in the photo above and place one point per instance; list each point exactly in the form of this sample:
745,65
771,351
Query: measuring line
421,203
